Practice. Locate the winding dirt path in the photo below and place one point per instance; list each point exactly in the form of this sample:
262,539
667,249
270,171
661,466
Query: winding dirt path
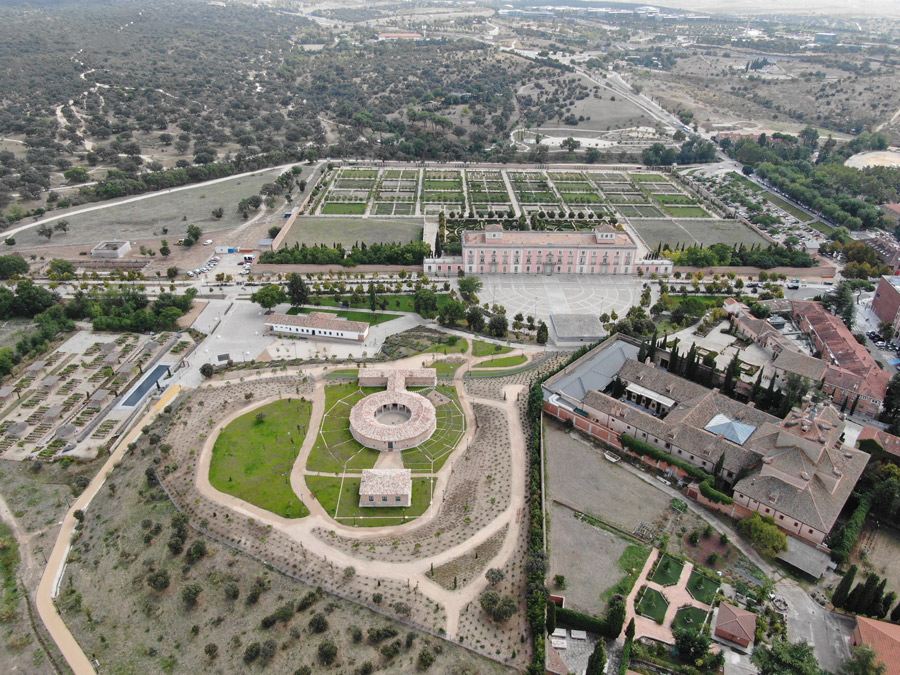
414,572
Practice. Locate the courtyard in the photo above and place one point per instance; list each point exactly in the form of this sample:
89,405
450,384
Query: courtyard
540,296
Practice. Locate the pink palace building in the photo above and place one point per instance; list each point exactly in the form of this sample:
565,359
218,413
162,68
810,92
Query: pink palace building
604,250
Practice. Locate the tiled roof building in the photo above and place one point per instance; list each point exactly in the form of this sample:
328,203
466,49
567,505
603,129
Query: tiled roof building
795,470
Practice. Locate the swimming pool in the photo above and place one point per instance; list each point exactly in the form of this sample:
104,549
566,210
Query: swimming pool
140,391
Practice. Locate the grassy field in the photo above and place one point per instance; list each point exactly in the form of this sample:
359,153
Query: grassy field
336,450
146,218
708,231
673,199
746,182
689,617
458,347
506,362
653,604
401,303
311,230
799,214
631,562
340,498
481,348
685,211
667,571
647,178
371,318
702,588
252,459
344,208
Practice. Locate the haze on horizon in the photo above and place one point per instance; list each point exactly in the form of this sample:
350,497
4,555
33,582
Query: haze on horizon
841,8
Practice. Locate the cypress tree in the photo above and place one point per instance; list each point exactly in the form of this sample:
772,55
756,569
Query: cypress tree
642,352
895,615
551,617
855,403
886,603
597,660
853,598
874,606
839,597
867,595
757,387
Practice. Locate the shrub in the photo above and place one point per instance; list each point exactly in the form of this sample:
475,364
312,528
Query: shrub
327,652
377,635
251,653
764,533
425,660
318,624
646,450
159,580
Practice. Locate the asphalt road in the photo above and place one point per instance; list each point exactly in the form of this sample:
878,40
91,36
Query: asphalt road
827,632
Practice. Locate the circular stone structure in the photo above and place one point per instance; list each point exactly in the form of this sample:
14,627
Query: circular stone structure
395,419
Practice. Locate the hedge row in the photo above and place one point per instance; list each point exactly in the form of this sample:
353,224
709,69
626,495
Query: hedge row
646,450
841,551
536,595
713,495
580,621
610,626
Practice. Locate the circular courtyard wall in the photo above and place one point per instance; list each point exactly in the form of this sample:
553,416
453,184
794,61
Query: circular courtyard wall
393,420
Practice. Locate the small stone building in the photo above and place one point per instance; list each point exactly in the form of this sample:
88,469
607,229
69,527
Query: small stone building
111,249
385,487
735,624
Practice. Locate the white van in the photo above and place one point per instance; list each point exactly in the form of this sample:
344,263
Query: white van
248,258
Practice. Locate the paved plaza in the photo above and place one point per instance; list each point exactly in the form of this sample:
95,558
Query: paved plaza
540,296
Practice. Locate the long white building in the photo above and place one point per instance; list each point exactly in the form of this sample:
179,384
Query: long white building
319,326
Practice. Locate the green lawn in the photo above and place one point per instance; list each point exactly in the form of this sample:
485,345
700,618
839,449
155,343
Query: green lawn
506,362
446,369
344,208
667,571
481,348
653,605
359,173
799,214
827,230
458,347
368,317
631,562
252,460
673,199
685,211
746,182
336,451
689,617
648,178
400,303
341,501
702,588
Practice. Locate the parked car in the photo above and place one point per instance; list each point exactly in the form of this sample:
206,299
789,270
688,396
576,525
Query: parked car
207,242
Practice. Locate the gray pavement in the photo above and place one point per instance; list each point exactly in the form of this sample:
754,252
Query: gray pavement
827,632
540,296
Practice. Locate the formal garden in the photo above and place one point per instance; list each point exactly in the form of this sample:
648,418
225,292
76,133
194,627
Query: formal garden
652,604
336,451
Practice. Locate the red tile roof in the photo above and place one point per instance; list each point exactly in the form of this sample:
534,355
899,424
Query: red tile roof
889,442
884,638
736,621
